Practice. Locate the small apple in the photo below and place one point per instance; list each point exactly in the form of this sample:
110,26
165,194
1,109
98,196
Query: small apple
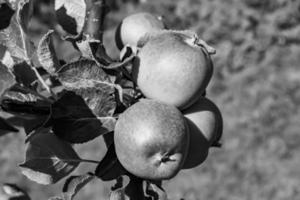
133,27
206,126
173,68
151,140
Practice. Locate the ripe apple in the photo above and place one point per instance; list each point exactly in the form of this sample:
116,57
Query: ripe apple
173,68
151,140
206,126
133,27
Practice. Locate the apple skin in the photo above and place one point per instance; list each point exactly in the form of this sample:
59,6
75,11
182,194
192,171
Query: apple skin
151,140
133,27
206,126
171,68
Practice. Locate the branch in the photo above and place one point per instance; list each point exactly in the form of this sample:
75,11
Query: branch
94,26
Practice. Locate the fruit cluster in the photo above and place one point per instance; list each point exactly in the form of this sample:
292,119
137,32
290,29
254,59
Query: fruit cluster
174,126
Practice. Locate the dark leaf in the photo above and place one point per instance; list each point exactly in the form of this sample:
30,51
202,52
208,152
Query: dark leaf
46,54
48,159
90,82
71,16
109,168
7,79
13,192
5,126
34,123
74,184
5,15
24,74
14,37
134,190
74,122
20,102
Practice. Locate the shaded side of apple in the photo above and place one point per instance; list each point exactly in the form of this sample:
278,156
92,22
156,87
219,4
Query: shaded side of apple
206,126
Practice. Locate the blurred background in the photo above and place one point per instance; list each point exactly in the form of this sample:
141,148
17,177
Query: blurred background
256,85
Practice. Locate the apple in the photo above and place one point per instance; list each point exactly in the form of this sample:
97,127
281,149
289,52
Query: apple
206,126
151,140
173,68
133,27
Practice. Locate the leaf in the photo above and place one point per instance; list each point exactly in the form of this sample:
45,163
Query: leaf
14,37
74,184
48,159
46,54
118,194
90,82
5,126
5,15
71,16
7,60
7,79
155,191
36,122
13,192
24,74
132,190
74,122
20,102
109,168
94,50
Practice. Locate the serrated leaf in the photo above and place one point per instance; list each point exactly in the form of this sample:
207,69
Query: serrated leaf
71,16
109,168
46,54
14,37
5,15
74,122
24,104
90,82
7,79
48,159
74,184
